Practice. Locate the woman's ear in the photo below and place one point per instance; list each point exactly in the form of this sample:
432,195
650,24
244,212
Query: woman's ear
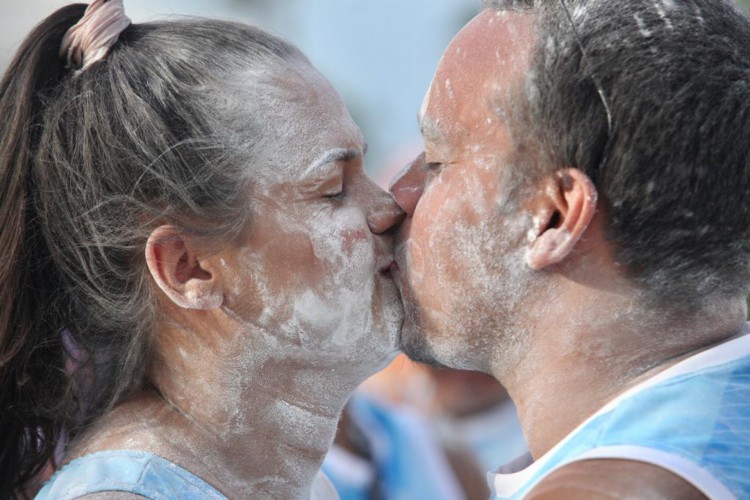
562,213
174,263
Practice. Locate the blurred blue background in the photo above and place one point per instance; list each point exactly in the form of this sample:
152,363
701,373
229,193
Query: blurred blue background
380,55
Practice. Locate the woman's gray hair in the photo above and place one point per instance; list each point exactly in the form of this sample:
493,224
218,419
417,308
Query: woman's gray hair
89,165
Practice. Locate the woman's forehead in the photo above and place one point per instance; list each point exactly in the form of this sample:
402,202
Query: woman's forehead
300,118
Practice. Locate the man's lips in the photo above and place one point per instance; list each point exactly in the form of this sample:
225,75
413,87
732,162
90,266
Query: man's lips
396,273
394,267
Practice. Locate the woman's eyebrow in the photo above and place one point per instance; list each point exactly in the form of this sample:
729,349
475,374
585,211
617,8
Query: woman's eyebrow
329,157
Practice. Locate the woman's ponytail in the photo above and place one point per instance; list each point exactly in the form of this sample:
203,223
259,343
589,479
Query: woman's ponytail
32,379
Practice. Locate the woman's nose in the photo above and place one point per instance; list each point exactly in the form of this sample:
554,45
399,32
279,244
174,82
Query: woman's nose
385,215
408,185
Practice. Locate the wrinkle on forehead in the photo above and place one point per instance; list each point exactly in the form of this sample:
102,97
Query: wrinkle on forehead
297,118
479,77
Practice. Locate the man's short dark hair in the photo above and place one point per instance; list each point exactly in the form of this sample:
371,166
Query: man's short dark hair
673,169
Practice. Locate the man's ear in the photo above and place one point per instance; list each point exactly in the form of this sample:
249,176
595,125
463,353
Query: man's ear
172,259
561,212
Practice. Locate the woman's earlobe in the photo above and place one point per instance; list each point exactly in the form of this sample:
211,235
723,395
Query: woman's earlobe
172,260
562,215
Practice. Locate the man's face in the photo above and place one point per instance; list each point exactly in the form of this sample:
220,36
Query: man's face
462,267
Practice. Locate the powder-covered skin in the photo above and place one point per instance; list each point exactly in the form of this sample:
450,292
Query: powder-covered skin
492,283
255,384
324,295
464,227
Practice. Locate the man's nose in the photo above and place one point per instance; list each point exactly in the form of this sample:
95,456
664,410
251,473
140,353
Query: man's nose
408,185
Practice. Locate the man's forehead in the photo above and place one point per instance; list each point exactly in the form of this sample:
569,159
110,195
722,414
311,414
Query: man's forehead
488,58
493,49
493,38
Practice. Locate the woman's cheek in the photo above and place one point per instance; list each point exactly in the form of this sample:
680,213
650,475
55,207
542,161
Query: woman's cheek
347,246
353,241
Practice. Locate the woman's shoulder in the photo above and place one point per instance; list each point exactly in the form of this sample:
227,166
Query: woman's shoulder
125,474
112,495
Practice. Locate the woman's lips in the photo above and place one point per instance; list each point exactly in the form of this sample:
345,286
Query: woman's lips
388,269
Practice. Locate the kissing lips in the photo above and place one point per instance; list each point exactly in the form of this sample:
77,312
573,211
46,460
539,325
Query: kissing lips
387,270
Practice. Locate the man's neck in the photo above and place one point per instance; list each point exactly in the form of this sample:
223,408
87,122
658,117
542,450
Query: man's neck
586,352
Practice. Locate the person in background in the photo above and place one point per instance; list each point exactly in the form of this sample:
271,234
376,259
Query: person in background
411,431
189,243
388,451
471,410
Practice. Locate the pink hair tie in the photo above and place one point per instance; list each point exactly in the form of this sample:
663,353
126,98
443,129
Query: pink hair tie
90,39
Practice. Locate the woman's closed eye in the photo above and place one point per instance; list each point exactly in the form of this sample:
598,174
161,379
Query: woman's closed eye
338,195
334,192
331,188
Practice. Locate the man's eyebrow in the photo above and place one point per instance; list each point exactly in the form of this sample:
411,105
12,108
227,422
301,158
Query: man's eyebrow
329,157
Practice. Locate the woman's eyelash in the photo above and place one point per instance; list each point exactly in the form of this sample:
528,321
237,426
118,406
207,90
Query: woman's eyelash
432,166
335,196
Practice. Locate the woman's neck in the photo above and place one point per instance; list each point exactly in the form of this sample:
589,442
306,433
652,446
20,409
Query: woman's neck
254,426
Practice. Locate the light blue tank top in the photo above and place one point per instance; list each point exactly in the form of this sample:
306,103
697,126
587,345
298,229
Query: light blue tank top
692,419
144,474
127,471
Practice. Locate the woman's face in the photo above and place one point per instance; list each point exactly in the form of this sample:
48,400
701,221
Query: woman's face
313,269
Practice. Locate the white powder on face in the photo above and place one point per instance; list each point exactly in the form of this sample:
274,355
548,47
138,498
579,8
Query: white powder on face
271,303
459,239
478,264
335,313
449,88
348,304
346,246
296,102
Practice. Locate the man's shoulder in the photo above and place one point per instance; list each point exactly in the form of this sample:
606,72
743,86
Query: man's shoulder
613,478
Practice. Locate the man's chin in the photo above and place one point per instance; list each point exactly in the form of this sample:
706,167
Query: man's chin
411,340
413,344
